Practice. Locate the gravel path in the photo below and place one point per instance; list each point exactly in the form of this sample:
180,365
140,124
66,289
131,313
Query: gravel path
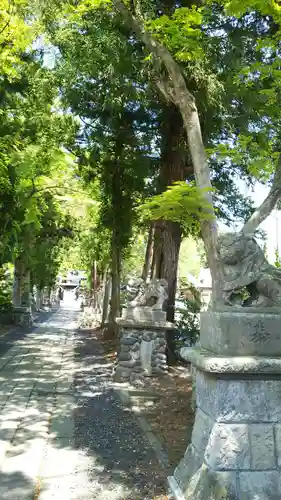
125,465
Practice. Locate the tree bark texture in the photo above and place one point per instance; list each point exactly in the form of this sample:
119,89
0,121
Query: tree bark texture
17,282
175,166
106,299
147,267
115,284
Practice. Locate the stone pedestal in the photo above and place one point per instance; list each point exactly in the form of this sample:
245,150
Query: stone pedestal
144,314
140,340
235,452
19,316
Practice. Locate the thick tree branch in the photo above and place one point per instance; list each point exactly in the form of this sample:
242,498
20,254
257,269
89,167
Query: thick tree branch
265,209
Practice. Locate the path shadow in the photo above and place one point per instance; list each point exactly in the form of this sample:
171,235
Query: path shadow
108,433
19,333
16,486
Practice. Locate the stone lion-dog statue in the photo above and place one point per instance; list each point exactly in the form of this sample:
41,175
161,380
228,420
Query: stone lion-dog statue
152,294
244,266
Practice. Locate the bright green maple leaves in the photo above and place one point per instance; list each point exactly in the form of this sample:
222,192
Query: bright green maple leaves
16,34
182,202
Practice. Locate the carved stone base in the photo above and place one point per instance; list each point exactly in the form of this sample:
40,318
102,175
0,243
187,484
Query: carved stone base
241,333
129,364
19,316
143,314
235,451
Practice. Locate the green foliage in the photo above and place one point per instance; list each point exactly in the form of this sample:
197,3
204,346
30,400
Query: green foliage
277,262
190,258
6,282
187,317
180,32
182,202
134,256
15,35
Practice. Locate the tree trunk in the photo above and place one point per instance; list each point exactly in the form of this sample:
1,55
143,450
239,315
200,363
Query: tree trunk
172,242
172,86
38,299
175,166
115,280
106,298
147,267
94,276
17,283
25,294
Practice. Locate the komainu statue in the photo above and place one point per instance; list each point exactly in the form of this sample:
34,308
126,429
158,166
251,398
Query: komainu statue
135,285
245,268
152,294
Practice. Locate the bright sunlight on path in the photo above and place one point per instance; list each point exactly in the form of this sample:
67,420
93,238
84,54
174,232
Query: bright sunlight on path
64,433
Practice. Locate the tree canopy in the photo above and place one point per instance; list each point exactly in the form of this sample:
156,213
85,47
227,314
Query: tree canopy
85,144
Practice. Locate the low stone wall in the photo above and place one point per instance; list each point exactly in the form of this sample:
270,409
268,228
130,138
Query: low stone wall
129,365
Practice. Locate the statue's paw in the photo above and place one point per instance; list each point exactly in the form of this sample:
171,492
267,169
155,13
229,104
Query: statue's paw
264,302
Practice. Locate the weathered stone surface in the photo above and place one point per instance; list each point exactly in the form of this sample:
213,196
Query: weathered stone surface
144,325
128,340
160,370
242,399
127,364
135,354
235,453
243,264
263,485
198,482
272,391
278,443
262,446
124,356
212,485
122,372
127,348
233,400
206,393
187,467
129,356
201,432
241,333
206,361
147,337
161,357
228,447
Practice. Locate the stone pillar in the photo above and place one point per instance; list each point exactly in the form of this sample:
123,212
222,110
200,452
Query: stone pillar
235,451
142,346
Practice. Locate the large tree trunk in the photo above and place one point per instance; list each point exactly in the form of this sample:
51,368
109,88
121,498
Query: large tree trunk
17,283
173,87
94,277
106,299
175,166
157,262
172,242
115,284
147,267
